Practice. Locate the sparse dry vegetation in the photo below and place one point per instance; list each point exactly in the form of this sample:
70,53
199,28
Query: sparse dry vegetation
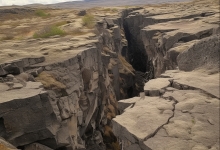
107,9
48,31
57,24
43,23
88,21
77,32
110,10
41,13
116,146
126,7
3,147
126,66
49,81
7,37
114,10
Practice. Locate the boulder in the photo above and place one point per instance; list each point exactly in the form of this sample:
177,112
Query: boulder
203,54
27,115
12,69
82,13
155,87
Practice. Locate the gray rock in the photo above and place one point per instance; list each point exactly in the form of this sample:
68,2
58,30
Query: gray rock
110,22
2,71
36,60
82,13
154,87
31,121
79,101
138,123
35,72
204,53
191,117
12,69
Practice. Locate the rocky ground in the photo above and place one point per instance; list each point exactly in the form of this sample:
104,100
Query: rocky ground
180,109
65,91
180,112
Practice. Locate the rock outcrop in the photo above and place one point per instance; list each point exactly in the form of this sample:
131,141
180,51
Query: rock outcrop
66,101
203,54
180,109
185,116
65,93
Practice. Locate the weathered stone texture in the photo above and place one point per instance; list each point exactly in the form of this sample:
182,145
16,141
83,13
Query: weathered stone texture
203,54
184,118
69,101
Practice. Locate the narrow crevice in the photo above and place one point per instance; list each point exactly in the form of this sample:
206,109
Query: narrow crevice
2,128
157,130
179,86
136,54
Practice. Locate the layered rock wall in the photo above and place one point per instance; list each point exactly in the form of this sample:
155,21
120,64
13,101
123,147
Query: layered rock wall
70,102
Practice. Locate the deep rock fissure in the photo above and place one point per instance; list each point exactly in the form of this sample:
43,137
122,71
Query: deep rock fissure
136,55
79,108
135,52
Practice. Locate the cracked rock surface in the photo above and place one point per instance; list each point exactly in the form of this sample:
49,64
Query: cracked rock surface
63,92
181,109
181,119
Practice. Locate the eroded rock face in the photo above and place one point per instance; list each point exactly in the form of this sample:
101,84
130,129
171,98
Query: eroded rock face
70,103
65,110
156,36
180,108
27,114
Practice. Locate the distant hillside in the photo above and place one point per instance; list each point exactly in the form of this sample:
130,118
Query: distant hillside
95,3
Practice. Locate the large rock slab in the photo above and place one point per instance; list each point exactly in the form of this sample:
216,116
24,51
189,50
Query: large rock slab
155,87
27,114
184,117
138,122
200,79
195,124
